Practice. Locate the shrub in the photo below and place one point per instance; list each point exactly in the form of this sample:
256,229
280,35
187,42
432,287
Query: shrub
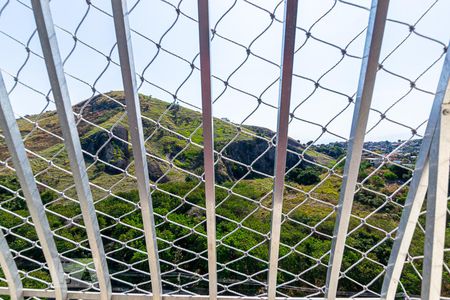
48,196
307,176
402,173
390,176
369,198
376,181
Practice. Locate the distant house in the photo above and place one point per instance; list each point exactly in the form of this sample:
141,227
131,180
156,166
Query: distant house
374,161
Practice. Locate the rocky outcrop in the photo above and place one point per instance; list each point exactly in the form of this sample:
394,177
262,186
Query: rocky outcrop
111,149
114,150
258,153
155,171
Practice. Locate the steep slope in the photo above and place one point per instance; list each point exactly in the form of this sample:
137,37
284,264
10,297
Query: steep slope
173,135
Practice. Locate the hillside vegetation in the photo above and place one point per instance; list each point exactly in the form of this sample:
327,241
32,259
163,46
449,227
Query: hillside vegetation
244,168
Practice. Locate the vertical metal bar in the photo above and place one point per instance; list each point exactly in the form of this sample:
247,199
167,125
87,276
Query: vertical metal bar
437,207
417,191
287,63
369,67
49,44
24,172
6,260
123,37
10,270
208,143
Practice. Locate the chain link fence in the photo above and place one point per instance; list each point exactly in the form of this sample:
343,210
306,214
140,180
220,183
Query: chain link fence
245,41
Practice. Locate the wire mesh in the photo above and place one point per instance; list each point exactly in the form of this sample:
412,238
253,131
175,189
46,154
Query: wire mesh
164,36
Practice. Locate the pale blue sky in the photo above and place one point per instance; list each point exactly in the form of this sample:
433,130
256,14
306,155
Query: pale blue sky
242,24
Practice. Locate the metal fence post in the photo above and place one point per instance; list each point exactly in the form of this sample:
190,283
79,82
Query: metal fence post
208,143
439,160
369,67
30,190
417,191
123,37
287,64
49,44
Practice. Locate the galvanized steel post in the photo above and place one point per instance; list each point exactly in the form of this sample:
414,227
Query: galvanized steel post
123,37
287,65
208,143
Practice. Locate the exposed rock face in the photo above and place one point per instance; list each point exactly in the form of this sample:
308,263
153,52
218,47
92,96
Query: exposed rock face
258,151
221,172
114,151
110,149
154,170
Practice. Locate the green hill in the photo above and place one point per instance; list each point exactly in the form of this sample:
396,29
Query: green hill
173,138
245,163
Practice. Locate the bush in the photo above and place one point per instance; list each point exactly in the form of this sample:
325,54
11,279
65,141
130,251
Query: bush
48,196
402,173
390,176
307,176
368,198
376,181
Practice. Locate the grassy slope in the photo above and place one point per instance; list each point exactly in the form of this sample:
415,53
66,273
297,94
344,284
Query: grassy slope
178,129
303,212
